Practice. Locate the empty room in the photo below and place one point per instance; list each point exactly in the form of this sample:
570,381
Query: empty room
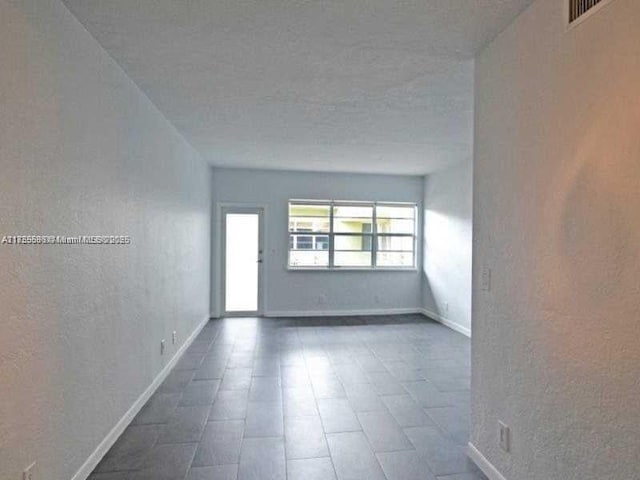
319,240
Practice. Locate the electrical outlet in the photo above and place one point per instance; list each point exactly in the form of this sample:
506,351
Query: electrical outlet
486,279
28,473
162,347
505,437
376,298
174,337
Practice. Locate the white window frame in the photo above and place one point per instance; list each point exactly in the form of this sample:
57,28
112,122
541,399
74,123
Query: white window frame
373,235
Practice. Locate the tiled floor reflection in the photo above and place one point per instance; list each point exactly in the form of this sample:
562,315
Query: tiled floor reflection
344,398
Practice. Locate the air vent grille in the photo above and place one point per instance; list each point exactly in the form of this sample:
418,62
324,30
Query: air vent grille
577,8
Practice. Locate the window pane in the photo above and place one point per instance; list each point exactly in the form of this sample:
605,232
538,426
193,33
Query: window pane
308,224
352,242
395,211
353,211
393,225
395,243
352,259
394,259
308,210
352,225
308,242
309,258
303,242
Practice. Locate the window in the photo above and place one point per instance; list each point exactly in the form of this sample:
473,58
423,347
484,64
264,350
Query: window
363,235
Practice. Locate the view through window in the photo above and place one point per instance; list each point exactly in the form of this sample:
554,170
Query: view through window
333,234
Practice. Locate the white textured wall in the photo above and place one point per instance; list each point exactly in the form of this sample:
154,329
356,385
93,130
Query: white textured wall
288,291
447,240
82,151
556,345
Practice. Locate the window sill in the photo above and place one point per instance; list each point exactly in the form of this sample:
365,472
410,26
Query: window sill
352,269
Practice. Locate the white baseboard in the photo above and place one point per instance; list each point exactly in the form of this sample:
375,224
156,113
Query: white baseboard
342,313
445,321
375,311
483,464
108,441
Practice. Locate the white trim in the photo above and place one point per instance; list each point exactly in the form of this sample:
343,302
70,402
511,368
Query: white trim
354,313
446,322
342,313
108,441
483,464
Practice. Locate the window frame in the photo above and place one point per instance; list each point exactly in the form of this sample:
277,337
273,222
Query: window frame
373,236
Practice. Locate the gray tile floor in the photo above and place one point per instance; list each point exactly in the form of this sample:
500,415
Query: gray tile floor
350,398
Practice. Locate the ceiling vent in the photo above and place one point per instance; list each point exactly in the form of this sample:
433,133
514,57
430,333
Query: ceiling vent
578,9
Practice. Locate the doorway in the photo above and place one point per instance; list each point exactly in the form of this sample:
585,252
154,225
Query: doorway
242,260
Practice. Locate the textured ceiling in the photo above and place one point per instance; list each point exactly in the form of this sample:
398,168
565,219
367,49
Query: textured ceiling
326,85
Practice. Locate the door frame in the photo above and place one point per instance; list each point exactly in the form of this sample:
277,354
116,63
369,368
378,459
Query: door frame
261,210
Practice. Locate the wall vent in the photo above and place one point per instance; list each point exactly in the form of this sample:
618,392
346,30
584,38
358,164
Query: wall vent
579,8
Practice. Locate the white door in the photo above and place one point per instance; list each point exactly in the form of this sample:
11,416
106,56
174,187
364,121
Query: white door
242,252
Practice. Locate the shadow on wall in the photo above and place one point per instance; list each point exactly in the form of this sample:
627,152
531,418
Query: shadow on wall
581,292
428,299
596,231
